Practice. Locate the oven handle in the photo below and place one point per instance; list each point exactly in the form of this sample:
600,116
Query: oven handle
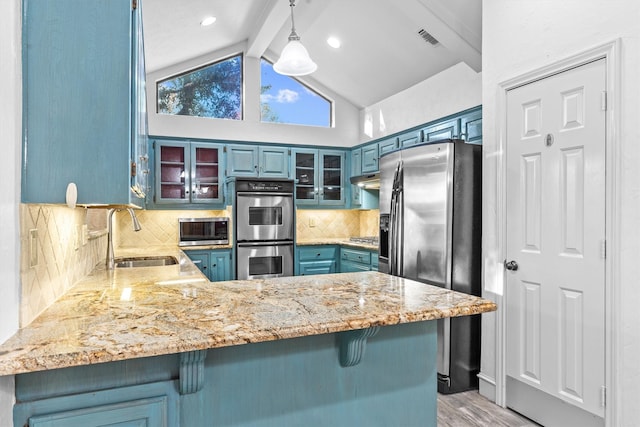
269,243
264,193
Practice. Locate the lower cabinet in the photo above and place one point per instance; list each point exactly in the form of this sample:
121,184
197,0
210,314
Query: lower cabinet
153,404
316,260
324,259
215,264
354,260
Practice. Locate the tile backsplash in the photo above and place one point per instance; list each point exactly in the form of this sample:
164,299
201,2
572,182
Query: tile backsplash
312,224
54,254
159,227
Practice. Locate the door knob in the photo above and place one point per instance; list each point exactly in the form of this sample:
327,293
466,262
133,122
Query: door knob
511,265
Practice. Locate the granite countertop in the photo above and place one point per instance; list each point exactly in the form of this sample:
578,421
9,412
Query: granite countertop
151,311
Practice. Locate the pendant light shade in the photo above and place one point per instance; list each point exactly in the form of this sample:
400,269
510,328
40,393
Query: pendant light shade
294,59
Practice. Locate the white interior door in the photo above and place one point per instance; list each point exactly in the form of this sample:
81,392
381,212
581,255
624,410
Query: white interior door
555,277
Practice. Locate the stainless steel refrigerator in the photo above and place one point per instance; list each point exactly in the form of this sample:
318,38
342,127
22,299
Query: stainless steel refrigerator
430,231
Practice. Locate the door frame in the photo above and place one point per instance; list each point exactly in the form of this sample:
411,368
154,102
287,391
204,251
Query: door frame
613,337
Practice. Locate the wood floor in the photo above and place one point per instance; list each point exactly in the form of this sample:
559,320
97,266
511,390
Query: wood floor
470,409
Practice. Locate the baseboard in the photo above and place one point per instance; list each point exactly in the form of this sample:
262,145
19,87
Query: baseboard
487,386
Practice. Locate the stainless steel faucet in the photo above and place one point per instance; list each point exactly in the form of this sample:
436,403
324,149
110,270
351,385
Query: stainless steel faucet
136,227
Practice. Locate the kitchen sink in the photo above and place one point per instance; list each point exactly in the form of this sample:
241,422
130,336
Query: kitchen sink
145,261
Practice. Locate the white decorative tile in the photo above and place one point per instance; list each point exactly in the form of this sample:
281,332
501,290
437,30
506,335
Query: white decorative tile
60,263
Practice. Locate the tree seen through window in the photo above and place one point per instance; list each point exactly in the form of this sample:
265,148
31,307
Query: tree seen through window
212,91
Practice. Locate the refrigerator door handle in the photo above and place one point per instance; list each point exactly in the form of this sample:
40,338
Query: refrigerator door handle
400,219
393,225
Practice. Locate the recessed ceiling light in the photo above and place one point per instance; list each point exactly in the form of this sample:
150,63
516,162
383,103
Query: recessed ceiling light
334,42
208,21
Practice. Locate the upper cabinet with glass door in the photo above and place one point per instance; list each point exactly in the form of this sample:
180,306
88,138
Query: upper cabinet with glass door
188,172
84,104
320,176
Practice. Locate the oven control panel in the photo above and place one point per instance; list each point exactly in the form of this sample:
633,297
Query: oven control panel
279,186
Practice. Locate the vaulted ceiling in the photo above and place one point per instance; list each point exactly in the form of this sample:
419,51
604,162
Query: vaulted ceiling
382,52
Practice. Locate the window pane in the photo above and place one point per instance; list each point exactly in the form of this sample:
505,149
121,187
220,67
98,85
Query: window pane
212,91
284,99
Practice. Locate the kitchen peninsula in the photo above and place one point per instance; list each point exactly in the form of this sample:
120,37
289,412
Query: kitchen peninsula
165,344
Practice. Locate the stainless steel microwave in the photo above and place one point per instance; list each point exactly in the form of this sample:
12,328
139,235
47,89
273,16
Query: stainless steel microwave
203,231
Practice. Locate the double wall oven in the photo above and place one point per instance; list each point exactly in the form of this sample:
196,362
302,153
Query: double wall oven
264,222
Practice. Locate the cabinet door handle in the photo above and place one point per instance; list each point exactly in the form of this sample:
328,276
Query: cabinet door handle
213,265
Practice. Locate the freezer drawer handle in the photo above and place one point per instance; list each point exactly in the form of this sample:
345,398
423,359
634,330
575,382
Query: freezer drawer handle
511,265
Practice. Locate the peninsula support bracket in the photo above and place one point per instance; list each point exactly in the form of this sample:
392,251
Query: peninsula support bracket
353,344
192,371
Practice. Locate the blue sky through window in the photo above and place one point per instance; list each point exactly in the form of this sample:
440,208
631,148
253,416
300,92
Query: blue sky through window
289,101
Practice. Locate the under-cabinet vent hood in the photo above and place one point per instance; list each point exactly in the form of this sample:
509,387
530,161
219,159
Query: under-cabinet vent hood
368,181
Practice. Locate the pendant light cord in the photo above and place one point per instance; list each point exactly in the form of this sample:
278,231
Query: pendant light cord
293,35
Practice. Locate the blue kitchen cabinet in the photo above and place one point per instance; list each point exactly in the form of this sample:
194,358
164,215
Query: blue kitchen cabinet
471,126
370,158
257,161
84,104
319,176
273,162
354,260
201,260
387,145
356,162
152,404
374,261
188,173
447,129
320,259
221,267
215,264
242,160
410,138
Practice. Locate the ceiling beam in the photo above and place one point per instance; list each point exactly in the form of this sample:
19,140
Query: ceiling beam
422,16
275,14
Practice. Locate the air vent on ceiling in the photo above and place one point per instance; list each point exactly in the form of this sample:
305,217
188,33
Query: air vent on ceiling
427,37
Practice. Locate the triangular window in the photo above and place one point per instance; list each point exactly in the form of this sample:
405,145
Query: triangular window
284,99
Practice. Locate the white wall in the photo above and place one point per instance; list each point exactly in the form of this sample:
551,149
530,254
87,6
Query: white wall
453,90
343,134
11,125
520,36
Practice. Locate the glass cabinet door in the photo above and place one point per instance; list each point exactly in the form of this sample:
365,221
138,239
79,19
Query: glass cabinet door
205,173
332,186
172,173
188,172
305,164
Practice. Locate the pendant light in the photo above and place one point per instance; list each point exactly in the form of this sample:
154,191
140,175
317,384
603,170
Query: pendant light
294,60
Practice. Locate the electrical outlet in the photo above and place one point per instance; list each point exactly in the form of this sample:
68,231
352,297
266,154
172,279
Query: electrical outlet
312,222
33,248
85,234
